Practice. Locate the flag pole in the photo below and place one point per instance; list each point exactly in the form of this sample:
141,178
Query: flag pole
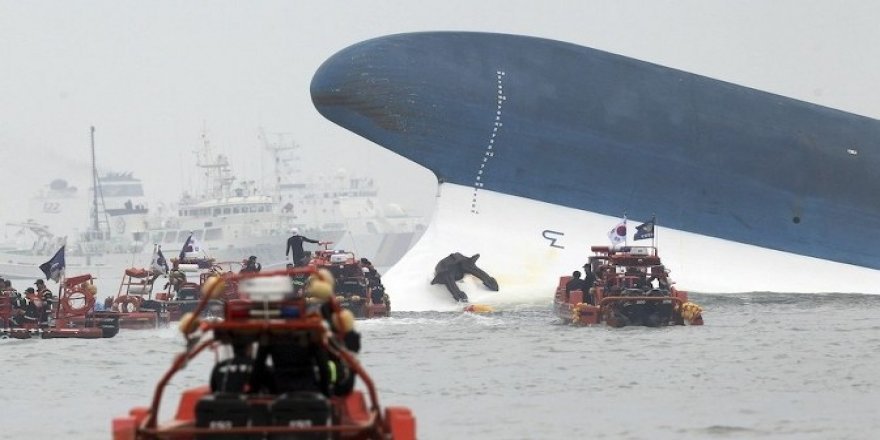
654,236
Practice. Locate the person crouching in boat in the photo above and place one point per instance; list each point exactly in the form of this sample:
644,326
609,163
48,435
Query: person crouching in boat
176,279
577,283
251,265
659,278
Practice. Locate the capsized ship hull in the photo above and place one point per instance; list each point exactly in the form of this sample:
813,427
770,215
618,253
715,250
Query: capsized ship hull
509,234
596,132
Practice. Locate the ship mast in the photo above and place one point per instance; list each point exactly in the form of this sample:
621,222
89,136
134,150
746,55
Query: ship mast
278,159
97,233
218,175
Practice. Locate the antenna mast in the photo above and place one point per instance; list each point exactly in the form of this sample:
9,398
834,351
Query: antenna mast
278,160
96,187
95,225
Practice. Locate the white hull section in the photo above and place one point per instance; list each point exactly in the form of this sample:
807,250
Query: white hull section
510,233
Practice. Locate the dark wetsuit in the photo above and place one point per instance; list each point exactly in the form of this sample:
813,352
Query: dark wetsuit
589,282
574,284
31,313
295,246
19,304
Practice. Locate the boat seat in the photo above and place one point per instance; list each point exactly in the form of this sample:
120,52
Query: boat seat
351,287
301,409
223,410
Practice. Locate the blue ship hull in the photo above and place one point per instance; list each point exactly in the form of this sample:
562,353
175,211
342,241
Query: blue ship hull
599,132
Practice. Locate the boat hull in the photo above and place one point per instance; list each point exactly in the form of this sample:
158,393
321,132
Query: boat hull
596,132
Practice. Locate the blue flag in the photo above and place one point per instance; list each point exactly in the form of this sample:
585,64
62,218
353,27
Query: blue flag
54,268
645,230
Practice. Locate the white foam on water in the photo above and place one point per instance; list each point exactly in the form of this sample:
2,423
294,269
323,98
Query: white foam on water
510,234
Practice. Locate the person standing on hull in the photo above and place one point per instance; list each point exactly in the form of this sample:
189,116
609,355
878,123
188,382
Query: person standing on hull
295,247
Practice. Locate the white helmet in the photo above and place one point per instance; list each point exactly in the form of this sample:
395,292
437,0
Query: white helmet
294,231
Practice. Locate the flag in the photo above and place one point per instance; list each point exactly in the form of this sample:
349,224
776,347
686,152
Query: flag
645,230
617,234
159,264
190,245
54,268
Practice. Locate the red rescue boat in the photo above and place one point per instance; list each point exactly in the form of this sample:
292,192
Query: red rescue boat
186,279
267,314
73,316
134,301
358,285
624,286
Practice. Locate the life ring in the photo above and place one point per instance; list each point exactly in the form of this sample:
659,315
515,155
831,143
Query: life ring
128,304
78,300
136,272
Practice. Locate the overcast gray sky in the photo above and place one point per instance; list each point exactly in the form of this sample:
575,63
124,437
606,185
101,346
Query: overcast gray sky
150,75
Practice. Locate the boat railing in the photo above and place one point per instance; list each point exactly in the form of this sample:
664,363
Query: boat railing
310,323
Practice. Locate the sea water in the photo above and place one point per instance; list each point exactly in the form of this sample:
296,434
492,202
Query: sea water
764,366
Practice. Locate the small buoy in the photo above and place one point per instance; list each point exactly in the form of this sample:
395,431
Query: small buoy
479,308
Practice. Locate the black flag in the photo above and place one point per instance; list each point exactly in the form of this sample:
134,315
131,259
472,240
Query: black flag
645,230
54,268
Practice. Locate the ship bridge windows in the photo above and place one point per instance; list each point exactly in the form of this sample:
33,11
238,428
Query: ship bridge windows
227,211
170,237
216,212
156,237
